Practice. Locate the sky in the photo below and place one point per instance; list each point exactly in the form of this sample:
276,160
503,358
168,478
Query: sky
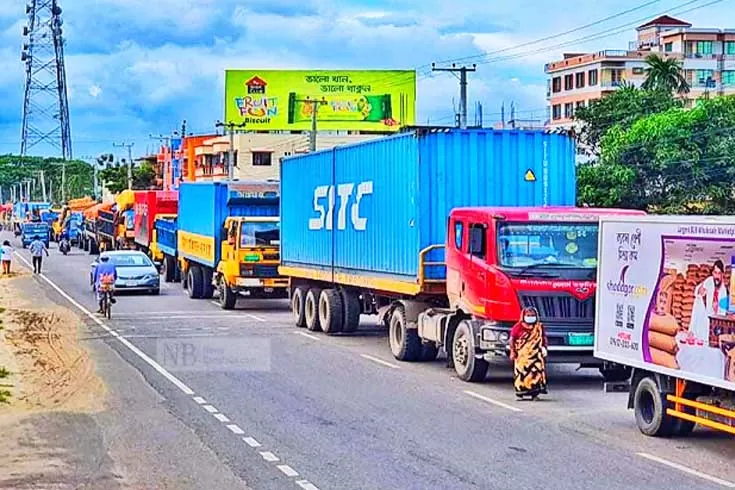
137,68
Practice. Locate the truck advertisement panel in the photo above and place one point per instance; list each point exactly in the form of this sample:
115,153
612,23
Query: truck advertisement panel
355,100
666,297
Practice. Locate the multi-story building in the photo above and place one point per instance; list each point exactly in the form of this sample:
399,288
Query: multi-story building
258,155
707,56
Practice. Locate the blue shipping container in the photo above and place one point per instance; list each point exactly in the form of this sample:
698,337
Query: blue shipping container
370,208
166,235
204,206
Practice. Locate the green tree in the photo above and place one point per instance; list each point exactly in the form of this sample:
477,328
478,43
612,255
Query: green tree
115,177
664,74
15,169
622,108
677,161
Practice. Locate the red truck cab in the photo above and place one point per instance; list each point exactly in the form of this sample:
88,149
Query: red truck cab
501,259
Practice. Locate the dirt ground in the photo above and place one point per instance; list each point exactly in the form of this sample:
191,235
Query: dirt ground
48,372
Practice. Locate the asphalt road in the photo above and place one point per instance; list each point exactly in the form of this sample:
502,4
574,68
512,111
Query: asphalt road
287,409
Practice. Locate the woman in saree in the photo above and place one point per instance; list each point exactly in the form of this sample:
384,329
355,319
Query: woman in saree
528,352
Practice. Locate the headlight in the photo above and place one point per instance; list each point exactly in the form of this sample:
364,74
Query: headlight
504,337
149,277
489,335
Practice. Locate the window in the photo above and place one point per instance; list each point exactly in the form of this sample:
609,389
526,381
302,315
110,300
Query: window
580,80
592,77
568,82
704,47
668,47
478,241
703,77
580,104
638,70
260,233
616,77
458,234
262,158
556,84
556,111
568,110
729,47
728,77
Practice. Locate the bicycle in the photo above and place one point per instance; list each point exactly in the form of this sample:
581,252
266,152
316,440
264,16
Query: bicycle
105,290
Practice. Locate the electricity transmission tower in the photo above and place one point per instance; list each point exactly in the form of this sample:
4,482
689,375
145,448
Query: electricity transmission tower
45,105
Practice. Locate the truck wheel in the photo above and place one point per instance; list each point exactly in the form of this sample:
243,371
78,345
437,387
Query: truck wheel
616,374
468,367
311,309
405,343
169,269
331,313
207,286
649,406
429,351
227,297
297,306
93,248
194,281
351,304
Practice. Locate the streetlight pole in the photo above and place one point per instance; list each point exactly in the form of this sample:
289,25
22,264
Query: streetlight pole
231,153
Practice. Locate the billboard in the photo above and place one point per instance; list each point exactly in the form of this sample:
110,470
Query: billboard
350,100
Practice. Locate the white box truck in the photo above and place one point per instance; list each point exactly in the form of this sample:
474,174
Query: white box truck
666,308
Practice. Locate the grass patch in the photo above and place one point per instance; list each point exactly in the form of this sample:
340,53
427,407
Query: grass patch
2,310
4,373
5,396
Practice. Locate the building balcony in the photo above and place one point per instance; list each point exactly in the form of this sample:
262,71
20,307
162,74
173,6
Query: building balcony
701,56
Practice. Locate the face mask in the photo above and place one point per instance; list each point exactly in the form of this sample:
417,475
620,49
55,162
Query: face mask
529,319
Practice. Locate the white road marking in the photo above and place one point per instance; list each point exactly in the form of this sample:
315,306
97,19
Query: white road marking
689,471
200,400
181,313
160,369
380,361
287,470
254,317
307,485
491,401
251,442
269,456
221,417
215,303
307,335
210,408
236,429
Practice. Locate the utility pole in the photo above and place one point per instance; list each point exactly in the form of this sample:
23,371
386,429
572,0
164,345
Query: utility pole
183,128
315,104
463,70
231,154
129,146
63,182
43,187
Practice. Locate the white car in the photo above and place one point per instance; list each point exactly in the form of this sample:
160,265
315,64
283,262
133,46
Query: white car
135,271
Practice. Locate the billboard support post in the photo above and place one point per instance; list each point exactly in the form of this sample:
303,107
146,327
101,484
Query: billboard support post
315,103
231,153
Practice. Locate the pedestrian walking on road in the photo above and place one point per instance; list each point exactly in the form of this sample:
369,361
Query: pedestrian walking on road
528,352
6,255
38,248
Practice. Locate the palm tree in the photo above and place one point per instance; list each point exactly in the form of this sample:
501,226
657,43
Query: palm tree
665,74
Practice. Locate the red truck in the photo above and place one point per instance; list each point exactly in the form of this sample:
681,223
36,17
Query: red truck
148,206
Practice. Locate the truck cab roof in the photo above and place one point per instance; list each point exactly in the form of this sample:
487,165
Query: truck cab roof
551,213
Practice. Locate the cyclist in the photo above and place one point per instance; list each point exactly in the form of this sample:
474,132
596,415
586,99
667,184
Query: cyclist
104,272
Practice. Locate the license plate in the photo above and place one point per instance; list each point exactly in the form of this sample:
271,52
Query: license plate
581,339
131,283
268,290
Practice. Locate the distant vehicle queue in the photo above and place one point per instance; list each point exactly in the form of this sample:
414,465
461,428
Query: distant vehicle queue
454,238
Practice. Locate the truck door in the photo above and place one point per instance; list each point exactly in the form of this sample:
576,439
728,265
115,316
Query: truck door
475,279
233,232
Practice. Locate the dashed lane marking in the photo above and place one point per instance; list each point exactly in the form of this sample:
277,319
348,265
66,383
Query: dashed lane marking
221,417
235,429
380,361
689,471
492,401
210,409
251,442
255,317
287,470
307,335
199,400
307,485
269,456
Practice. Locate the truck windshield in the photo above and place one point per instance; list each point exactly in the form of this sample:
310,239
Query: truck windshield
547,244
260,234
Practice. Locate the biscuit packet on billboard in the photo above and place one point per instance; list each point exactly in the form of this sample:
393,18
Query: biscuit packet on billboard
340,108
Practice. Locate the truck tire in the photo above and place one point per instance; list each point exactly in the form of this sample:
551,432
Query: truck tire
311,309
194,282
331,312
405,343
649,406
207,286
227,297
466,365
298,297
169,269
352,308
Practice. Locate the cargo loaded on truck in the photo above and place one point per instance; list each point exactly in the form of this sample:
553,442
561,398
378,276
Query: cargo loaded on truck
445,235
666,309
166,228
228,240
